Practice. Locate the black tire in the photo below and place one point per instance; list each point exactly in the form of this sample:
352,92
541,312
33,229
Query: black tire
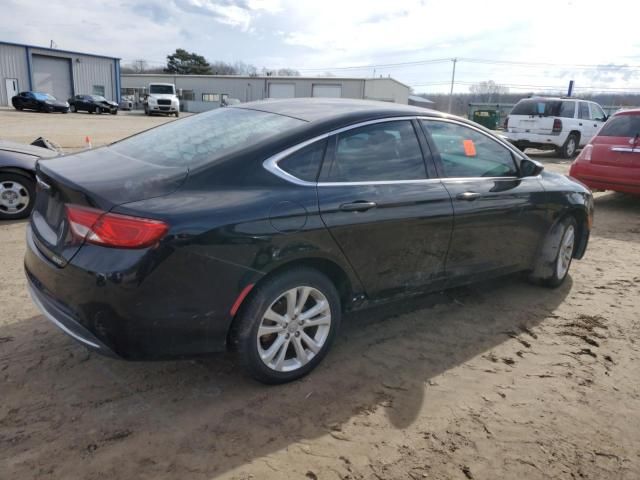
114,112
73,108
554,276
244,335
570,147
28,184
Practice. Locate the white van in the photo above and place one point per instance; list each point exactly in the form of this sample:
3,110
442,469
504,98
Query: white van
553,123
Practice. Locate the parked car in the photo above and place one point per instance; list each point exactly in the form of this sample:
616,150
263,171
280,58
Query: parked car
611,161
42,102
126,103
93,104
253,227
18,178
546,123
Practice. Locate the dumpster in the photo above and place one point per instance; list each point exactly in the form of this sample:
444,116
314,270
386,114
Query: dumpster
486,118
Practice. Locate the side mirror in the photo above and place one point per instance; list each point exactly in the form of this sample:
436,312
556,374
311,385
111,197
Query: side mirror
530,168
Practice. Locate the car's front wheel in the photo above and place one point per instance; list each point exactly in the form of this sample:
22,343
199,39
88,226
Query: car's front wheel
17,195
287,325
561,244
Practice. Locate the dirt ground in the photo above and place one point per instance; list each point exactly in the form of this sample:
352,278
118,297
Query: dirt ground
500,380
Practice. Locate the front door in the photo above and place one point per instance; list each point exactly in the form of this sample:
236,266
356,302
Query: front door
392,222
11,85
499,219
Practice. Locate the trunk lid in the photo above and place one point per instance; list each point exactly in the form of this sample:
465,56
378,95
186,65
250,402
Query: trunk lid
100,178
616,151
618,142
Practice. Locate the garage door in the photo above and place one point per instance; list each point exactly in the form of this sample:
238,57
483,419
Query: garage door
52,75
330,91
282,90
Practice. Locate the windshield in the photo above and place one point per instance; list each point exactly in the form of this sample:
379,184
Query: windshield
621,126
206,137
161,89
98,98
545,108
44,96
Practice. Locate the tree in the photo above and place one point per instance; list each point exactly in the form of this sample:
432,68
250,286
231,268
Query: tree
487,90
185,63
287,72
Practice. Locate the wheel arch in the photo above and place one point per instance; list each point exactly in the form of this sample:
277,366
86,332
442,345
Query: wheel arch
19,171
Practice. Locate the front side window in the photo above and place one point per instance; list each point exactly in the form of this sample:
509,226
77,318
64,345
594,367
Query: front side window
385,151
465,152
305,163
597,114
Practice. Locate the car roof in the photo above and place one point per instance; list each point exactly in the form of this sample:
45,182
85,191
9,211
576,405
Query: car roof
40,152
630,111
335,109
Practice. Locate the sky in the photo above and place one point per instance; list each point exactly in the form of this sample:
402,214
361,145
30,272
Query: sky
521,44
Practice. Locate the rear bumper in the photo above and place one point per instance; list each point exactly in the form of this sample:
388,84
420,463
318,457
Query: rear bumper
606,177
137,304
64,320
534,140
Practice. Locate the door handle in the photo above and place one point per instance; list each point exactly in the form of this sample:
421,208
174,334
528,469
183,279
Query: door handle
580,124
468,196
357,206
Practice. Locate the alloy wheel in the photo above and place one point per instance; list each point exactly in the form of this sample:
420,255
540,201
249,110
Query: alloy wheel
566,252
294,329
14,197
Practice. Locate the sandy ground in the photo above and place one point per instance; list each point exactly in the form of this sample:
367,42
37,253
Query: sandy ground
502,380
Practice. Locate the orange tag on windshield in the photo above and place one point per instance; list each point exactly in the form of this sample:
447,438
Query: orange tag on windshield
469,148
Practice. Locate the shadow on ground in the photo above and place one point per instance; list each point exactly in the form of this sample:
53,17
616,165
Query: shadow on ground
100,418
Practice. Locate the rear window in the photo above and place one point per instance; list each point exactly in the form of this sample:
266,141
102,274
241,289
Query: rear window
205,137
545,108
621,126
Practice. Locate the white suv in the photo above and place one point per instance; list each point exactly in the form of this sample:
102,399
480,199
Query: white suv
561,124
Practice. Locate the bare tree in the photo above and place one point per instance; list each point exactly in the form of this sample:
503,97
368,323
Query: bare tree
487,90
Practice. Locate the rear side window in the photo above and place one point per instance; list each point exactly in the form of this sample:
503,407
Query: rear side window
465,152
206,137
621,126
383,151
305,163
544,108
584,111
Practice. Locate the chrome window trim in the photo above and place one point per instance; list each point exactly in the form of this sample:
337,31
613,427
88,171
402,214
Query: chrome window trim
626,149
271,163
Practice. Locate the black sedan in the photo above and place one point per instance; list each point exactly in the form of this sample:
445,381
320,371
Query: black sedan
93,104
254,227
41,102
18,178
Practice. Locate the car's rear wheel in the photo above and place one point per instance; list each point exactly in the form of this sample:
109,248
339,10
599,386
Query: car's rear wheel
17,195
287,325
568,150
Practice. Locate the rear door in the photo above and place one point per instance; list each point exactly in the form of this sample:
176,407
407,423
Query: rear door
391,221
499,218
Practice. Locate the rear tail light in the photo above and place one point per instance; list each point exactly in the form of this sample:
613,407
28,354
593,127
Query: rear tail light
506,123
112,229
585,154
557,125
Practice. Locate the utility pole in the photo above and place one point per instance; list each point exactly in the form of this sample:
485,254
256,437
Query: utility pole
453,78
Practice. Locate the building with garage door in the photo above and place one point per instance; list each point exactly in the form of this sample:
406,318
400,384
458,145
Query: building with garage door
203,92
58,72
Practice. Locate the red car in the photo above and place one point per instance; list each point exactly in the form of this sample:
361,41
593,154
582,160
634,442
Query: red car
611,161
